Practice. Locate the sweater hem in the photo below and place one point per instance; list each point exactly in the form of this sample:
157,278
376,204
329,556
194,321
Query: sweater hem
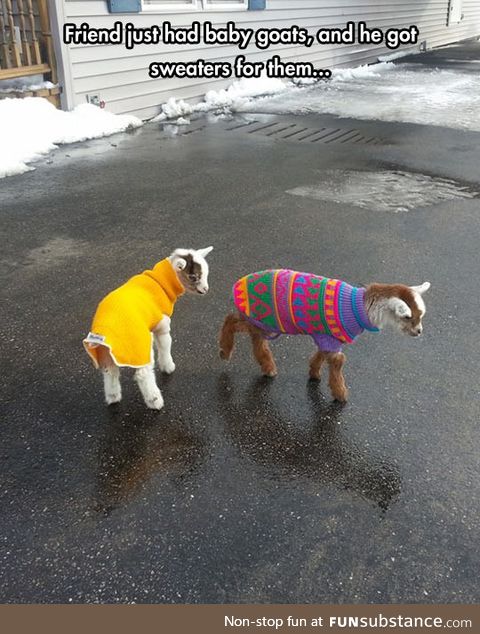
90,346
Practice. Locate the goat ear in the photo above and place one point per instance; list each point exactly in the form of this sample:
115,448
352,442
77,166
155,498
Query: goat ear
423,288
399,307
204,252
180,264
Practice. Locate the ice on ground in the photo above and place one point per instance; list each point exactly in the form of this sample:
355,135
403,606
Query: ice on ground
389,190
386,92
33,127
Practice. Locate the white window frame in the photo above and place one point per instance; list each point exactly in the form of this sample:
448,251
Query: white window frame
166,7
195,5
242,6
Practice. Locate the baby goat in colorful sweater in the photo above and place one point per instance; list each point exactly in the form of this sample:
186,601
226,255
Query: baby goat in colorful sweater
332,312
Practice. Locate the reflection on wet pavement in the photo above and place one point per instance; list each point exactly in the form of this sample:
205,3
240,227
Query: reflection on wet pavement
314,449
130,453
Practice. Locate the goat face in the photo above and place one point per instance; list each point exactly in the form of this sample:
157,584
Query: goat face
399,306
409,310
192,269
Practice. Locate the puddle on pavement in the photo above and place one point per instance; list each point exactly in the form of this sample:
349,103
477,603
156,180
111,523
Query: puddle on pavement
132,453
386,191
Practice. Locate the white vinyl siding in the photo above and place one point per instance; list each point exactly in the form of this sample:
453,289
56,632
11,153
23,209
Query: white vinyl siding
120,77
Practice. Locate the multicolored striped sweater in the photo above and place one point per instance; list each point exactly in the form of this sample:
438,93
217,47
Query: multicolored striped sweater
288,302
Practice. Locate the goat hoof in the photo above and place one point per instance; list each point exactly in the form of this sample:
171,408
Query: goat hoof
224,355
155,405
167,368
113,397
341,396
270,372
154,402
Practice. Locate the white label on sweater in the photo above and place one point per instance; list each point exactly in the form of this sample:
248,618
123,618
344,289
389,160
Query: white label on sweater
94,338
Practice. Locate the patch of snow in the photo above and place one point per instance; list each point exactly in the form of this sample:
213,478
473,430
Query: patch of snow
384,191
182,121
33,127
305,81
19,85
398,55
242,91
174,109
237,96
359,73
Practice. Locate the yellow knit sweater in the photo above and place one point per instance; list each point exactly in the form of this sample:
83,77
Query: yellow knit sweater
126,317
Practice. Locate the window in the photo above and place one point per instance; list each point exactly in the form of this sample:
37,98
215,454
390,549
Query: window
225,4
194,5
172,5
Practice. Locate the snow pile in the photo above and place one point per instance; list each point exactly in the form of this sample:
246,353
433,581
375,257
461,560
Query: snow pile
19,85
398,55
242,91
32,127
361,73
174,109
387,92
236,97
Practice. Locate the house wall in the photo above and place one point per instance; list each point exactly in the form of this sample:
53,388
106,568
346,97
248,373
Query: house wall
120,77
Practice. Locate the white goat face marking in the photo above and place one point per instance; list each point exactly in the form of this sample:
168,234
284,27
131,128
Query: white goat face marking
194,274
420,303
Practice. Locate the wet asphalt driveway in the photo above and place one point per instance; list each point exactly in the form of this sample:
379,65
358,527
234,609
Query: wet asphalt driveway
242,489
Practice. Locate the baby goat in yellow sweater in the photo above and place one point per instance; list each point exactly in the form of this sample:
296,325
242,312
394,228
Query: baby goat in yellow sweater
131,317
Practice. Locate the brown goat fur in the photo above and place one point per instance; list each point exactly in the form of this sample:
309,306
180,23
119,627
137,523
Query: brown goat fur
261,350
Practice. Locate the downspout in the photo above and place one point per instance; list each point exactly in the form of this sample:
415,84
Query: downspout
62,54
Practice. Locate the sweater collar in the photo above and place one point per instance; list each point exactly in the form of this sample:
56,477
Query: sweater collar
164,274
359,310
